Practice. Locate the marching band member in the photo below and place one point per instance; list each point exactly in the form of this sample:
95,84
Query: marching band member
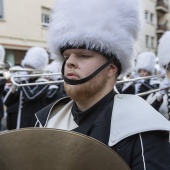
53,92
96,42
145,66
2,83
31,97
161,99
11,99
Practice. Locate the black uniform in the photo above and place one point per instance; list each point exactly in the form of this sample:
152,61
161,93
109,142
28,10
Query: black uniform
140,88
2,84
53,93
31,100
147,150
11,101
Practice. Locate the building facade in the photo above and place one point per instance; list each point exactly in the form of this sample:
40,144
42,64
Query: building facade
156,22
24,23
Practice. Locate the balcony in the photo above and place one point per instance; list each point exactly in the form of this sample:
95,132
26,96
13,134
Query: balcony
161,28
162,7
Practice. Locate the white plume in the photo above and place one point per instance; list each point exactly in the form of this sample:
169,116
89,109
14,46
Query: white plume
164,49
146,61
36,57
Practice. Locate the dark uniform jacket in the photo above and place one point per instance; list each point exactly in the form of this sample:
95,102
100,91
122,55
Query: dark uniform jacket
140,87
11,101
141,148
31,100
53,94
2,84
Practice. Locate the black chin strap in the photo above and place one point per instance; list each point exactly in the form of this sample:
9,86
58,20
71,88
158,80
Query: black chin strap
84,80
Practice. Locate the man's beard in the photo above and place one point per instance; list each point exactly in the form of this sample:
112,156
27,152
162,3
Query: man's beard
86,90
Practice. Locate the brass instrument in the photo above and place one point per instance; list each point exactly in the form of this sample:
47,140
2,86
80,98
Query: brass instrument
167,75
61,81
36,83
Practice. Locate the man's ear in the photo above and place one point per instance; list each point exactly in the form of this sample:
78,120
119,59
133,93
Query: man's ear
112,71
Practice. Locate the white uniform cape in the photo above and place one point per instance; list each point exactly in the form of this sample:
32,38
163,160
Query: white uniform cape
130,115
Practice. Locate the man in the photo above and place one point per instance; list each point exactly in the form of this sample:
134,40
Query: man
53,92
31,98
2,82
12,103
161,100
95,39
145,66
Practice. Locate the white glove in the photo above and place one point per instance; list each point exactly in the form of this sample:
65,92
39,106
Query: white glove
163,84
141,81
19,79
159,96
22,73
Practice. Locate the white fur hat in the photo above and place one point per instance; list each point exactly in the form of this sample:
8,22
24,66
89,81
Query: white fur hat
36,57
2,54
54,67
164,49
110,27
146,60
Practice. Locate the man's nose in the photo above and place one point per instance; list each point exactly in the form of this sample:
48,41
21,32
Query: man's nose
72,61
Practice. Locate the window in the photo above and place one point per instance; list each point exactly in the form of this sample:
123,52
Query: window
151,17
45,16
147,40
1,9
152,42
146,15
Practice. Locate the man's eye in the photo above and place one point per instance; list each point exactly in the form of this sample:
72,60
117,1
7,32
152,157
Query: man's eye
84,56
66,58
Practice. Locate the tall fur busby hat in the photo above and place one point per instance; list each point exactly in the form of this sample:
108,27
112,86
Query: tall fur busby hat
164,49
54,67
36,57
146,61
109,27
2,54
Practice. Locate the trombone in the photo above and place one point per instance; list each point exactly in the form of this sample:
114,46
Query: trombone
61,81
36,83
152,91
47,73
28,70
7,73
140,78
159,89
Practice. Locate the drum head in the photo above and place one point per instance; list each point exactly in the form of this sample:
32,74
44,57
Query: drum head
51,149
